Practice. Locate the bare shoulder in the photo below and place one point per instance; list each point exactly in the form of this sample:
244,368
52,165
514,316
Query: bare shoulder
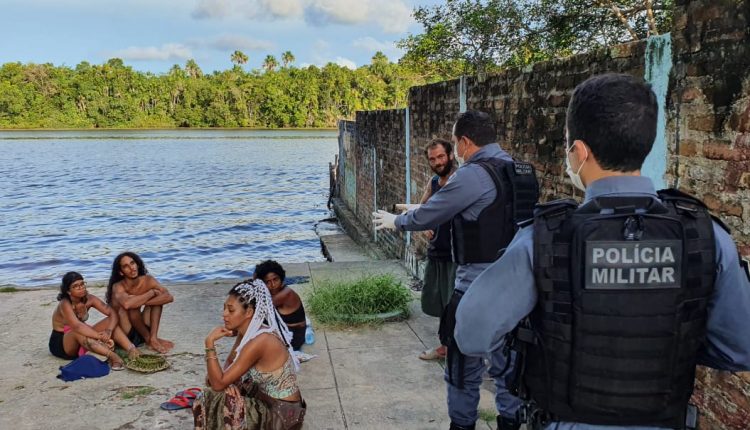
151,282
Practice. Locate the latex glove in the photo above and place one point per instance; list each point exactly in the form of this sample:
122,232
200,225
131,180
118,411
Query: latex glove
403,207
382,220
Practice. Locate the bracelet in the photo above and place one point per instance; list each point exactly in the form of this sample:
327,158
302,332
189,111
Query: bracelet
211,357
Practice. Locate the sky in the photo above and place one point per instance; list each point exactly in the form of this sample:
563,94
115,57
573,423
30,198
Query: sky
153,35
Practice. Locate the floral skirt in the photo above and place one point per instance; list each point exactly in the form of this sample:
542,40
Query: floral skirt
253,410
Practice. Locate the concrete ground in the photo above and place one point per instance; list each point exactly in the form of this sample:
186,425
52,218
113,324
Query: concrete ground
361,378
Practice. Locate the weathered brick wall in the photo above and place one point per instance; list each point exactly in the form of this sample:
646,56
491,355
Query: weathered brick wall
707,140
432,111
381,173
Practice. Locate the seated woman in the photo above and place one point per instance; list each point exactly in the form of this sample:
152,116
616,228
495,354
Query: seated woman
257,387
285,299
70,331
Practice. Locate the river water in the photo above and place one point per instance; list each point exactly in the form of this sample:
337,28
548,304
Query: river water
194,204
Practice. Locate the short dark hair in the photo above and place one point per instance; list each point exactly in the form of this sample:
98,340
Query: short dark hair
615,115
269,266
477,126
437,141
115,276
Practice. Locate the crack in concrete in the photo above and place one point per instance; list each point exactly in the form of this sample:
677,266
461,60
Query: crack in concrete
335,381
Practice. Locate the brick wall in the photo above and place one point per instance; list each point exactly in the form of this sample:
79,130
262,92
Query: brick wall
706,140
709,146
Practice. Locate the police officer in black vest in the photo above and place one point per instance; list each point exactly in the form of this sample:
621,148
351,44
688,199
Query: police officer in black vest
483,201
619,298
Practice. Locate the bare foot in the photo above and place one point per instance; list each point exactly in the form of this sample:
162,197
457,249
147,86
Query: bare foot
157,346
115,362
167,344
134,353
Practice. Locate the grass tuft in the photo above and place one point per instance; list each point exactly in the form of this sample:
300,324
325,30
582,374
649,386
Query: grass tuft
128,393
488,415
354,302
8,289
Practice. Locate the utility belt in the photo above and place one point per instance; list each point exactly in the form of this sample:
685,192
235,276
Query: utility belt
445,332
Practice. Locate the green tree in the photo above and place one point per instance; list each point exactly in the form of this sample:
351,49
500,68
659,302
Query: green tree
476,36
193,70
287,58
238,58
270,63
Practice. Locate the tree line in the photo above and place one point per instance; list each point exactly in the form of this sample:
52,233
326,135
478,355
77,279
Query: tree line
459,37
115,95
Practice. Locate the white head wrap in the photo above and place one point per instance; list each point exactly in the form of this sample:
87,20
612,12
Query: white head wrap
264,311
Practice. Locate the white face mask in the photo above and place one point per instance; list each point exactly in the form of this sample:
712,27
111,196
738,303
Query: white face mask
575,177
459,159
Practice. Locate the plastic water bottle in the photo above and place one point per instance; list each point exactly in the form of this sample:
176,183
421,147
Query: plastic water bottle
309,333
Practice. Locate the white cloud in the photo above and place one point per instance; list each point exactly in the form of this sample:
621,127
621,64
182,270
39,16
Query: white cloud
230,42
393,16
345,62
169,51
370,44
213,9
283,8
322,12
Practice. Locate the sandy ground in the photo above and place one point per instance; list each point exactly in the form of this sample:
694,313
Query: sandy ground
362,378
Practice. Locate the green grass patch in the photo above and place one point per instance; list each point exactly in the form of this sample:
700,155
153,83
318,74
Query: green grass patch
128,393
356,302
8,289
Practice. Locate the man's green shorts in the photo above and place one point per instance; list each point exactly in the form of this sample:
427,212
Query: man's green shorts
439,277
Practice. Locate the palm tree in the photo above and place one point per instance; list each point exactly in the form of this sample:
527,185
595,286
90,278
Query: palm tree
270,63
192,69
287,58
238,58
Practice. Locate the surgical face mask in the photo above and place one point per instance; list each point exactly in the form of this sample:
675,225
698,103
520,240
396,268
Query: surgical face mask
575,177
459,159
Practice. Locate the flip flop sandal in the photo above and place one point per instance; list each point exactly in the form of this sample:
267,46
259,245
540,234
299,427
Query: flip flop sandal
190,393
177,402
430,354
117,366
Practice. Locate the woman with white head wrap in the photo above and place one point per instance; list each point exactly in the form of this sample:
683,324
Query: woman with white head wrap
257,387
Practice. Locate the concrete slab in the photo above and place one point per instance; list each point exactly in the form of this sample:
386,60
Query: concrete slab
341,248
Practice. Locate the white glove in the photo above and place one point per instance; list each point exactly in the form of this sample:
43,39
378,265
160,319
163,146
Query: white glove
382,220
403,207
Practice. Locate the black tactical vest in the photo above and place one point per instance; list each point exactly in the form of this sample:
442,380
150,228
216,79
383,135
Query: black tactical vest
517,192
624,285
439,247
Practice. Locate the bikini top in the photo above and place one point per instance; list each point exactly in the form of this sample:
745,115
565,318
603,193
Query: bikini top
297,316
279,384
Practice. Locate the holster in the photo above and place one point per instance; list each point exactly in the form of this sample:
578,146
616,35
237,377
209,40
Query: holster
445,332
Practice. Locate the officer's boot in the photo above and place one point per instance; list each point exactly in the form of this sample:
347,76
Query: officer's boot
455,426
507,423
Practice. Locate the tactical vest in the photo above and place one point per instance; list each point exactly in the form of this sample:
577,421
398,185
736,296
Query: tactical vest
623,287
439,247
517,192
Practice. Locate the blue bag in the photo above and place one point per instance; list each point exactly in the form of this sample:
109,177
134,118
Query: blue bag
85,366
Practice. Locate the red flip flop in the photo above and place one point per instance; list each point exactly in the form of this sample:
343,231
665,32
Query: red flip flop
190,393
177,402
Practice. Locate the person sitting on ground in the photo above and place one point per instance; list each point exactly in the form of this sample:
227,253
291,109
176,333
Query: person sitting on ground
70,331
286,300
139,299
257,386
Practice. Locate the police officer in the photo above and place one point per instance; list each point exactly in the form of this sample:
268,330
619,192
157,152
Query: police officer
619,299
479,201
